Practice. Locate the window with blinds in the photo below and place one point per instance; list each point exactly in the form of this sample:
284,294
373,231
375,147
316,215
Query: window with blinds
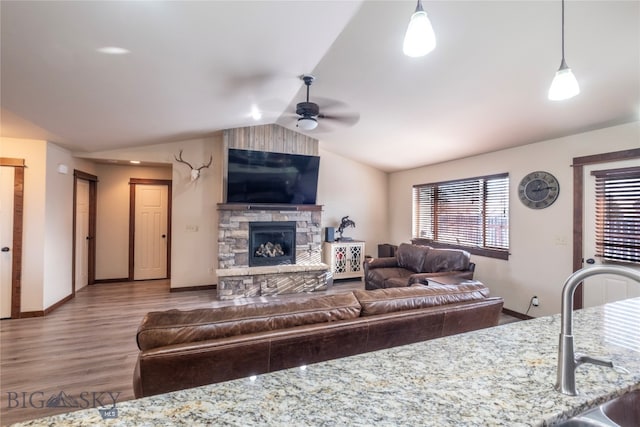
618,214
469,213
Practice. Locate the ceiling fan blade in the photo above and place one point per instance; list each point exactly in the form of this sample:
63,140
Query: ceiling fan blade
342,119
329,104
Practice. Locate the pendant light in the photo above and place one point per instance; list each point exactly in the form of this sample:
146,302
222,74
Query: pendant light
564,84
419,39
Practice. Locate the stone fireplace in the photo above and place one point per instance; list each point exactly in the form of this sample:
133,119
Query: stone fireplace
242,229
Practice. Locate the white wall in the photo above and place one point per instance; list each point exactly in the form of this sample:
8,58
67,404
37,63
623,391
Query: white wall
58,226
540,240
347,187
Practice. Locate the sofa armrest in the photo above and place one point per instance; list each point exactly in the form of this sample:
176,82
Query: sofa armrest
371,263
389,262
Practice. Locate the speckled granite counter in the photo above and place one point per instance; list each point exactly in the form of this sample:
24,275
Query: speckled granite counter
498,376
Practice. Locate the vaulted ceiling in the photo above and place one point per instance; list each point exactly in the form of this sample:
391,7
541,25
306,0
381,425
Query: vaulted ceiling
195,68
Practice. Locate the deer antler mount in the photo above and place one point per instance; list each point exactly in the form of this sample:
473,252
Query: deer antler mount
195,172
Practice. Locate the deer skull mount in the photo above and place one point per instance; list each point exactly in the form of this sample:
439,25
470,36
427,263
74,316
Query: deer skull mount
195,172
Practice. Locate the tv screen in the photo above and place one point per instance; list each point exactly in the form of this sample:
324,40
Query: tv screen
278,178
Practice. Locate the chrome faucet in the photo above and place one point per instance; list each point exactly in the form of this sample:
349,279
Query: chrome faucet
567,360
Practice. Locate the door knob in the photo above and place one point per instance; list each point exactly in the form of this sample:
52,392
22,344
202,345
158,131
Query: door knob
590,261
164,236
6,249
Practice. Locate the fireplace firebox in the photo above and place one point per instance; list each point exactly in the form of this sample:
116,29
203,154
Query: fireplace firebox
272,243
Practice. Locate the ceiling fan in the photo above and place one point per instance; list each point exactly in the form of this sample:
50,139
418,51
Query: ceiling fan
309,113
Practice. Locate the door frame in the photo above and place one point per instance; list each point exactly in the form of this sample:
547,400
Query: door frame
93,203
133,182
16,245
578,200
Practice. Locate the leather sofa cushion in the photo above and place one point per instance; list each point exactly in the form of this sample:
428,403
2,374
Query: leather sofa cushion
411,257
162,328
437,260
417,296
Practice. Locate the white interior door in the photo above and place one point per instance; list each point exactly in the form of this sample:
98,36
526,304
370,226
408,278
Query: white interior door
598,290
150,239
6,239
82,234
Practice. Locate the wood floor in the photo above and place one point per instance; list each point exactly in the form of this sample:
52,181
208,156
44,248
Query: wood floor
88,345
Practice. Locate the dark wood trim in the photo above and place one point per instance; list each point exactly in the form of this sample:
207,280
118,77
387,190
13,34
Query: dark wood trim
266,207
58,304
47,311
145,181
578,222
17,231
8,161
16,256
84,175
493,176
132,220
74,221
578,202
516,314
120,280
607,157
489,253
193,288
93,221
132,228
93,208
28,314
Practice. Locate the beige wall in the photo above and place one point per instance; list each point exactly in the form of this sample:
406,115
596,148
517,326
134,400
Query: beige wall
47,220
35,154
58,227
194,209
347,187
540,240
112,216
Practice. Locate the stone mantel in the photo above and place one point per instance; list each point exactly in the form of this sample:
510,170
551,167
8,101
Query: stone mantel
271,269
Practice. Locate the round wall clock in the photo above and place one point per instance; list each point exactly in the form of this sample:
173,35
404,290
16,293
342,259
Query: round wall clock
538,190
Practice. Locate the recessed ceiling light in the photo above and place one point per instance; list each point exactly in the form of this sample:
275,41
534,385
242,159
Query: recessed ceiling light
113,50
255,113
135,162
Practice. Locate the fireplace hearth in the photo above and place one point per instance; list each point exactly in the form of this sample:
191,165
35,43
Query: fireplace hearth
272,243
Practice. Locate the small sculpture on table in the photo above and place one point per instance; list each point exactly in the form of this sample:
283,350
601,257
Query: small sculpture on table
345,222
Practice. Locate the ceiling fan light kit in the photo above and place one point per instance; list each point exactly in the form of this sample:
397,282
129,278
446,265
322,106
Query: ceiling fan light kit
419,38
307,123
564,84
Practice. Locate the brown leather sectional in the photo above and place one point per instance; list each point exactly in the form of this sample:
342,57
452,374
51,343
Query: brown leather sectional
183,349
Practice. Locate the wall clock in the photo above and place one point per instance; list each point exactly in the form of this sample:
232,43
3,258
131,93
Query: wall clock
538,190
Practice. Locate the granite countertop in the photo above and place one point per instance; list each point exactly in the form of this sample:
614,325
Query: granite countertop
498,376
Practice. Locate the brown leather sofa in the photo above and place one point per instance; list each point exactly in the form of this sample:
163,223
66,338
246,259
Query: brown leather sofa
416,264
183,349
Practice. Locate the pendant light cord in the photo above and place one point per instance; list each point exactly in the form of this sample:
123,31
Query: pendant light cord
562,30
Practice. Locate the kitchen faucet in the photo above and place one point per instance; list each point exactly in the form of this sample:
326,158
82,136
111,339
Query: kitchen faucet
567,361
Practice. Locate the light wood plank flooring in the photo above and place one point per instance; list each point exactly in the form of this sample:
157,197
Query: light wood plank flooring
88,344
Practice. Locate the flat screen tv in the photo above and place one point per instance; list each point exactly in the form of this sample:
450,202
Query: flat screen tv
276,178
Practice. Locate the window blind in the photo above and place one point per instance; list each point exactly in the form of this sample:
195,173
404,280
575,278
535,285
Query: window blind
470,212
618,214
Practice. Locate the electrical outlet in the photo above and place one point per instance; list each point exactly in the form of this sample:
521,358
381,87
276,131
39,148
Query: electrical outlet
534,301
